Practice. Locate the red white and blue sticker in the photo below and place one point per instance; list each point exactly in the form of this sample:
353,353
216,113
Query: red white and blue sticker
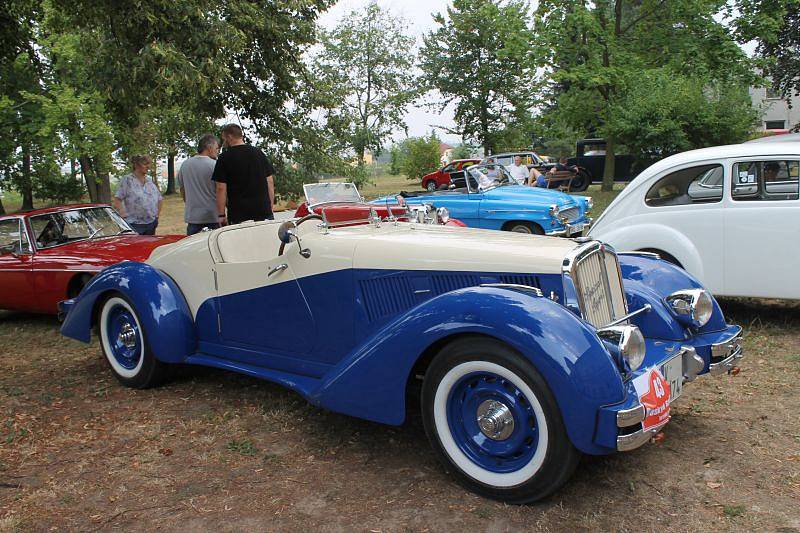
653,391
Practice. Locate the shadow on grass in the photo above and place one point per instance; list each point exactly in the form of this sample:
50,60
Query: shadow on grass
753,313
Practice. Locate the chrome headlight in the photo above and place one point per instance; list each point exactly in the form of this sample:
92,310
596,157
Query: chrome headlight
443,215
693,307
630,343
589,203
554,211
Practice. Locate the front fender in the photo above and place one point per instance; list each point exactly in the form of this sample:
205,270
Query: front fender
158,302
649,280
371,382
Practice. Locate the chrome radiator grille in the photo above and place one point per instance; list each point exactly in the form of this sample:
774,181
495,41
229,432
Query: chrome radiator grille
571,214
598,285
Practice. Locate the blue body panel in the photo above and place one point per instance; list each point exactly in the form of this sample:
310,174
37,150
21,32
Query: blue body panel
493,208
370,327
158,301
650,280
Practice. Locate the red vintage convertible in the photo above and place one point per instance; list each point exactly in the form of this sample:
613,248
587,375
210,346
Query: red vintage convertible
48,255
342,204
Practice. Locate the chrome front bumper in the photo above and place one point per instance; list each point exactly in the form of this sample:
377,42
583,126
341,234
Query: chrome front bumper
568,229
724,356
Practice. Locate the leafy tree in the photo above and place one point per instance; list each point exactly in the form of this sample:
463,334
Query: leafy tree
774,24
464,151
422,157
480,59
394,161
366,64
596,54
666,113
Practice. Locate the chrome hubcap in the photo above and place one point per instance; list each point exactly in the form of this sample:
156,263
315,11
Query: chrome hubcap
127,336
495,420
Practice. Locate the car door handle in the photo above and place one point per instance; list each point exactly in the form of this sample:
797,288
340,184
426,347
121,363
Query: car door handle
279,268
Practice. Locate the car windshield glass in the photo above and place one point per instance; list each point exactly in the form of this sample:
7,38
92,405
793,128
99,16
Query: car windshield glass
325,193
55,229
486,177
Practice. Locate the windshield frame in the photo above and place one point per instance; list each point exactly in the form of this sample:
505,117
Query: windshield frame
308,186
508,179
124,227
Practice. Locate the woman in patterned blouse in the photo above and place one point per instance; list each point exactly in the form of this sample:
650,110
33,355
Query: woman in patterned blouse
138,199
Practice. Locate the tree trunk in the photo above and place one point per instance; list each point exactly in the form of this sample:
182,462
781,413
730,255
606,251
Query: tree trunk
73,171
104,188
171,172
88,177
2,208
26,185
608,169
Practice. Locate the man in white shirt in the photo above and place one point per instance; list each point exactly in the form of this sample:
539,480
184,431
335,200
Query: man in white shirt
518,171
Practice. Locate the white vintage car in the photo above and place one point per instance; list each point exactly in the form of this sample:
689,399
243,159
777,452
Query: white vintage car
729,215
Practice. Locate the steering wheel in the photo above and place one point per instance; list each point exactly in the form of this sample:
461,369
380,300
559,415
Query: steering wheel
312,216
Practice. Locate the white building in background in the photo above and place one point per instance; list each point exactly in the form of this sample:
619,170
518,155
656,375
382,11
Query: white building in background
777,113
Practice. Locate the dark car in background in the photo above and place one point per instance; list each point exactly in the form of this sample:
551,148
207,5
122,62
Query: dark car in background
590,158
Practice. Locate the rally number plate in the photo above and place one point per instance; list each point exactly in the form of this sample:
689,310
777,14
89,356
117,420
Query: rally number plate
672,371
575,228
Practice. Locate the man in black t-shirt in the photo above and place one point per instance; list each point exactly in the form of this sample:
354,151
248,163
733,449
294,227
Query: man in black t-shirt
244,178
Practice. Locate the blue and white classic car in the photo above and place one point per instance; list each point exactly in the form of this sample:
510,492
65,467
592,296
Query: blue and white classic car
488,197
525,352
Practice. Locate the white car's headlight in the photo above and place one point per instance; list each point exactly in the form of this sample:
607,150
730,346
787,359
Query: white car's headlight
443,215
629,341
692,306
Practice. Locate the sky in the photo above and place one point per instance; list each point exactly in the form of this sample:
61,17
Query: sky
419,16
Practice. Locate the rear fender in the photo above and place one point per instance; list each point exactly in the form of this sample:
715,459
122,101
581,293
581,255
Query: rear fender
371,382
158,302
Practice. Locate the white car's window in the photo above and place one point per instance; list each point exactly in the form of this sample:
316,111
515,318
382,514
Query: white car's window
693,185
765,180
12,238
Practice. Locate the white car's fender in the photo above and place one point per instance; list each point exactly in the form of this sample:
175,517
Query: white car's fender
631,237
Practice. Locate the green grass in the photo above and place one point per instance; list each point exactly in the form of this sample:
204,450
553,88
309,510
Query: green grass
242,446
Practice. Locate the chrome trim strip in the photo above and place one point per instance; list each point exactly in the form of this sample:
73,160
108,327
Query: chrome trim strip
535,290
620,320
643,254
492,211
631,417
634,440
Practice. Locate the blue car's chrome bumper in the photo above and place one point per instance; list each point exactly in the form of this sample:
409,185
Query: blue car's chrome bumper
620,426
568,230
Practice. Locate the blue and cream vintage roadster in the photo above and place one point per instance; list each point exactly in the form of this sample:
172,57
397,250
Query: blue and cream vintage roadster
525,352
488,197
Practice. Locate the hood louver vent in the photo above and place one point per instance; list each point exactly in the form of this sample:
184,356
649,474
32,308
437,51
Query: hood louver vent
391,295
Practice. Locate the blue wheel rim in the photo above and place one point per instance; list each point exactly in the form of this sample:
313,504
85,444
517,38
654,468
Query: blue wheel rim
124,337
503,455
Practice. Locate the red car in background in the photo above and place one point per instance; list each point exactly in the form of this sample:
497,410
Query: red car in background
441,178
48,255
342,204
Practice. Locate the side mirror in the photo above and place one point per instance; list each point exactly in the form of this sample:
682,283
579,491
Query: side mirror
286,231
